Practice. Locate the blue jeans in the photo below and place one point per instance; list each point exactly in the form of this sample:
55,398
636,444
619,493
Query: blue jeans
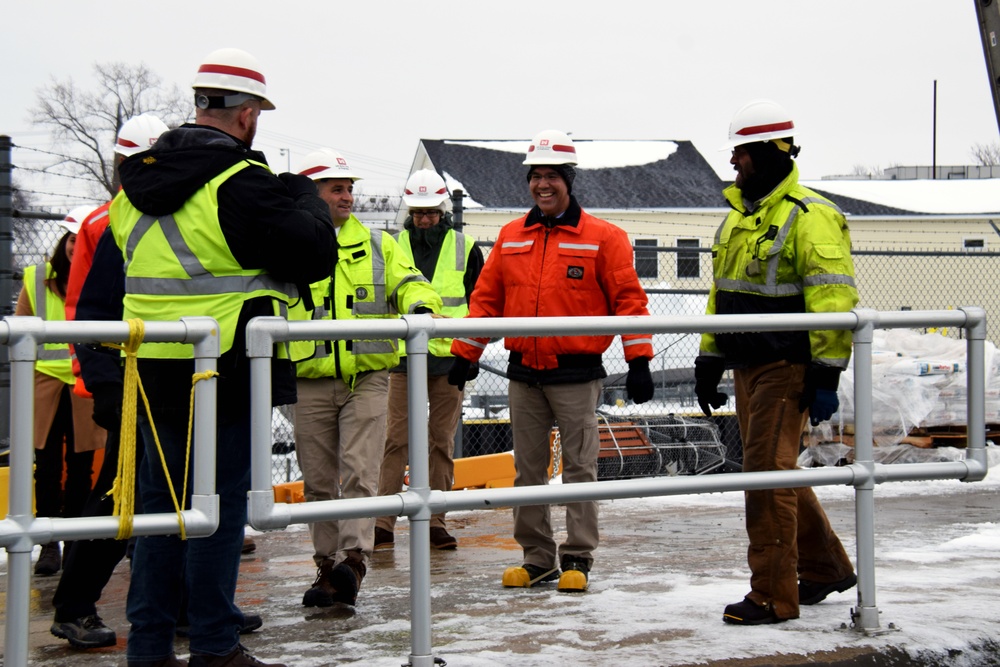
212,563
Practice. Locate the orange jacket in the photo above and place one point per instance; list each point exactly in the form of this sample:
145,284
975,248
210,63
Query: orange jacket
566,270
83,256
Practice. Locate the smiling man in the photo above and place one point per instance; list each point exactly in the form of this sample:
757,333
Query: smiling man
557,261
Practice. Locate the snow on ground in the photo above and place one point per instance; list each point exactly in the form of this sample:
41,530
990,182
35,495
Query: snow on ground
661,603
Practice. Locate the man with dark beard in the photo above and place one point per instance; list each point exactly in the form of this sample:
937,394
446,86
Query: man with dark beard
782,249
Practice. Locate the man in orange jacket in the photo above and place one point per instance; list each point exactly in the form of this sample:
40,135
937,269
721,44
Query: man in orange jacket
557,261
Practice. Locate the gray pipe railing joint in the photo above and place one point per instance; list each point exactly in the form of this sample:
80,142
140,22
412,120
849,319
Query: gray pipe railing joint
26,334
265,514
864,331
262,332
420,329
975,322
203,333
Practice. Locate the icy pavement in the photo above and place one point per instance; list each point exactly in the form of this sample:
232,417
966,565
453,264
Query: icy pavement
664,572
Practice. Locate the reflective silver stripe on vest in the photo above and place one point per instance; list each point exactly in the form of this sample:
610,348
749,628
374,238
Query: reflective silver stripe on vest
380,306
637,341
453,301
459,252
831,361
201,282
42,311
779,241
517,244
407,279
828,279
580,246
372,347
785,289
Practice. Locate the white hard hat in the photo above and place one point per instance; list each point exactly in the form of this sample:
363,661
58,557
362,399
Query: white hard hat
233,69
74,219
551,147
425,189
139,133
760,120
326,163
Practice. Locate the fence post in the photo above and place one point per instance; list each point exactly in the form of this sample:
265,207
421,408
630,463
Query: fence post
6,278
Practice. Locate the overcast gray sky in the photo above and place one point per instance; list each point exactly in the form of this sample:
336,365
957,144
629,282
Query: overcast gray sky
372,77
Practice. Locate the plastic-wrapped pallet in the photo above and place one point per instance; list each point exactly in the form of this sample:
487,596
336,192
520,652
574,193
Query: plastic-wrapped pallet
918,381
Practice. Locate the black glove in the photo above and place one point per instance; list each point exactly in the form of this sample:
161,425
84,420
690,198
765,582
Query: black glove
298,184
819,393
462,370
639,381
707,374
108,406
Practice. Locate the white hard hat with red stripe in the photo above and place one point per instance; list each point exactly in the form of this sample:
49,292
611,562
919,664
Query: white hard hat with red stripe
233,69
71,223
425,189
326,163
760,120
551,147
139,133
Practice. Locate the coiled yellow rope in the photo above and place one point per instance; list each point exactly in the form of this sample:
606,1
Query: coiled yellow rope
123,489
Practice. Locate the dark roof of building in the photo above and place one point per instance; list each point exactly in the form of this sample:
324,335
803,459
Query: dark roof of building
495,178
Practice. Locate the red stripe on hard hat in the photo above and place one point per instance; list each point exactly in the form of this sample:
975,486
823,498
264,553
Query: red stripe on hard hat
235,71
313,170
441,191
771,127
564,149
126,143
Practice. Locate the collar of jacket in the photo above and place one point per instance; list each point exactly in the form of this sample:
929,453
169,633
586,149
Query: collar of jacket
735,198
571,218
429,237
352,233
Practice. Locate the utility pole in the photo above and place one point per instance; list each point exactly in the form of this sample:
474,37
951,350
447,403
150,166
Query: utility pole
934,135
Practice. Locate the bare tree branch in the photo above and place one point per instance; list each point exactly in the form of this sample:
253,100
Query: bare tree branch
986,154
85,123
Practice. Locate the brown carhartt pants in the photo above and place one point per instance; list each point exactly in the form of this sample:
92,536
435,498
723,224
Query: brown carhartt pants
790,535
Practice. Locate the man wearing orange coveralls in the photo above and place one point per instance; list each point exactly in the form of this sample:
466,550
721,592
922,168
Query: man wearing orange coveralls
557,261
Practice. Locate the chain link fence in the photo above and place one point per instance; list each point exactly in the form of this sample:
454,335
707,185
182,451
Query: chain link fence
677,281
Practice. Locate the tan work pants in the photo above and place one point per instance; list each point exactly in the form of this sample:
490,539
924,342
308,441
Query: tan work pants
339,439
533,412
445,410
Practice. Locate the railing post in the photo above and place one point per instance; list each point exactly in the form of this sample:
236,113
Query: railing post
417,338
865,615
975,358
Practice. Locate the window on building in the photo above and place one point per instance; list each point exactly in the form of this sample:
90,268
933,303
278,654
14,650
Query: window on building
646,261
688,263
974,244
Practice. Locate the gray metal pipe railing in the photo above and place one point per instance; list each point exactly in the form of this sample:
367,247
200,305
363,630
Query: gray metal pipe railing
419,501
21,530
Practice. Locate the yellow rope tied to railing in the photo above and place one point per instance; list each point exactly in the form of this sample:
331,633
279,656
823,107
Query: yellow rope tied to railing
123,489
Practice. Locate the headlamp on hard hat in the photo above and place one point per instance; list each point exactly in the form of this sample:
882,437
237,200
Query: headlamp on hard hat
203,101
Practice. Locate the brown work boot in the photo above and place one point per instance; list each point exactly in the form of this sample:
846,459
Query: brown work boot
249,546
49,561
238,658
321,593
346,578
384,539
441,540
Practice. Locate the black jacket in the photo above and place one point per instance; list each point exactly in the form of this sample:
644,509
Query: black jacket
266,226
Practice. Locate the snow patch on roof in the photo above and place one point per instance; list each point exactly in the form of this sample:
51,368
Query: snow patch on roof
455,184
980,195
594,154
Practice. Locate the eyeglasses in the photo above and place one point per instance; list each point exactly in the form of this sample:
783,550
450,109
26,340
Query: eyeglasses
433,213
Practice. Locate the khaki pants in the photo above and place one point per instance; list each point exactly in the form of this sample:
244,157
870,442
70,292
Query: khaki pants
790,535
339,439
533,412
445,410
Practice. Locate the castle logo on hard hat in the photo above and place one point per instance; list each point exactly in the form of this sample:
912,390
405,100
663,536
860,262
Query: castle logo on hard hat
422,190
342,162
